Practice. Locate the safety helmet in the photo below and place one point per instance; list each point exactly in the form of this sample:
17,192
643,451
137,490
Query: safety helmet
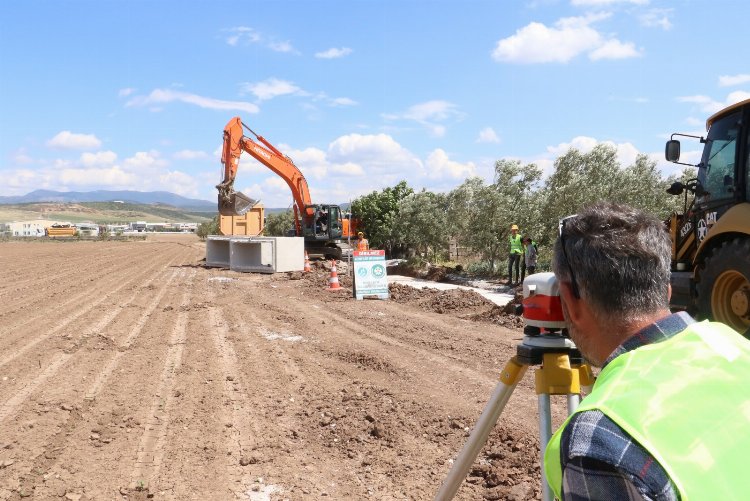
514,227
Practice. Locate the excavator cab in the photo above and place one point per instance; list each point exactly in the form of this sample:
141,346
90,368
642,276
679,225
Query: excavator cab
325,223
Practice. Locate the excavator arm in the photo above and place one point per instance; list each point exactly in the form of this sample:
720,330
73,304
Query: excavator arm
235,203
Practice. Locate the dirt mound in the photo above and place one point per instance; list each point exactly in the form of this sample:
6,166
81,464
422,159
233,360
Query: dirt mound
465,303
439,301
428,272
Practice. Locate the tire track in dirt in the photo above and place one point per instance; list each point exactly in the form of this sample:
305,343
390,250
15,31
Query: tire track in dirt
342,326
243,433
125,344
124,276
67,423
59,360
11,405
284,446
81,266
14,286
75,315
151,446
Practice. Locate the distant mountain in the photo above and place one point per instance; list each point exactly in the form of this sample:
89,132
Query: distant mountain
139,197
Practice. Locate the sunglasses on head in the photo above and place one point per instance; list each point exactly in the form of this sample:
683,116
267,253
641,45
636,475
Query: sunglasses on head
573,283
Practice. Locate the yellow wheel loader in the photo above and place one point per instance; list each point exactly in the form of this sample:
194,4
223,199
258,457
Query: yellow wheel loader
711,237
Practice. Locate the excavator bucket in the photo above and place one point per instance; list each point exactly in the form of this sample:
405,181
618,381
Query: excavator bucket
235,204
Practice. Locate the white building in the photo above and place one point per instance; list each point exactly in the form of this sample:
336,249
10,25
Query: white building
33,228
88,229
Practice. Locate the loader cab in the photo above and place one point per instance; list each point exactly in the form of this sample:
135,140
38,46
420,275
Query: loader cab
722,171
325,223
722,179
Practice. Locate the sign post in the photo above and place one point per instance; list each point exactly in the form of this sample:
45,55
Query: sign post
370,277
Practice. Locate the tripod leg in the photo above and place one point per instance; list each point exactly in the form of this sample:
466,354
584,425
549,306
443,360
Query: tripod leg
545,433
574,400
509,378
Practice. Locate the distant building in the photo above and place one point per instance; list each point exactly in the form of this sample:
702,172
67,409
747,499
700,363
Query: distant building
88,229
33,228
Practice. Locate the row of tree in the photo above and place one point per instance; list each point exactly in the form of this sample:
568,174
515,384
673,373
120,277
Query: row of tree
478,214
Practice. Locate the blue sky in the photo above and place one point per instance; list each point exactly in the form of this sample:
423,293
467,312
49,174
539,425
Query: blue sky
361,94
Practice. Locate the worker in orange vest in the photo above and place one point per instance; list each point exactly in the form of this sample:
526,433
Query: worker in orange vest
362,243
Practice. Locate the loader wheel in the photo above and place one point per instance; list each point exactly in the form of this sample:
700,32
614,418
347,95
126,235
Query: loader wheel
724,286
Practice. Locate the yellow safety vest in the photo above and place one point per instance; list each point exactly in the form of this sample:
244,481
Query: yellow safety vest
686,401
515,245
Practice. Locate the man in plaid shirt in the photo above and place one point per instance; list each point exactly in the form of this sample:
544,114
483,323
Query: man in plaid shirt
613,266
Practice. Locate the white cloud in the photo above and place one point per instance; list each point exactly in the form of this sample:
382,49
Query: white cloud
273,87
111,177
343,101
626,152
179,182
570,37
737,96
710,106
190,155
614,49
488,135
281,46
242,35
21,157
162,96
731,80
439,166
145,160
98,159
126,92
656,18
429,114
347,169
333,53
601,3
378,153
70,141
144,171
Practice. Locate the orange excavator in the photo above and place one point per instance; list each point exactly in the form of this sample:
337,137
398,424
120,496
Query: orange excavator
323,226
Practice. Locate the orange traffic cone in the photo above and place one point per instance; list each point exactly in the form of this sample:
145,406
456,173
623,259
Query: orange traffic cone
333,281
307,264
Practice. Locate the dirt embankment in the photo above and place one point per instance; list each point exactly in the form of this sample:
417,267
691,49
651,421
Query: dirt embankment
129,371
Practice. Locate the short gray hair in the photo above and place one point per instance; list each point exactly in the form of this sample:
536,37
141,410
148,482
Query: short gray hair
620,257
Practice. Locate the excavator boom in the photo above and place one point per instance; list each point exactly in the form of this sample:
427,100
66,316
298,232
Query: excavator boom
232,202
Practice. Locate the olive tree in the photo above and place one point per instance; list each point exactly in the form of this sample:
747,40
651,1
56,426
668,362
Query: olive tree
422,223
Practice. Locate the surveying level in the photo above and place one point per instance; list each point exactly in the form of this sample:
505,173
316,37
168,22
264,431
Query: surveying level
561,372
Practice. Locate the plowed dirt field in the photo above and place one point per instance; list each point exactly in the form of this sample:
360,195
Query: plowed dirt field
130,371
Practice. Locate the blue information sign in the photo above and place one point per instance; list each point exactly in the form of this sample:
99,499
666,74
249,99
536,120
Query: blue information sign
370,277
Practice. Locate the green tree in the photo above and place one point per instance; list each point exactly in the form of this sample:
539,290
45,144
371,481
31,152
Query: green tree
473,211
209,228
422,223
279,224
378,213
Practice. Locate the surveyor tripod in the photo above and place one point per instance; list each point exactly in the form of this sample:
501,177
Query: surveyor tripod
561,372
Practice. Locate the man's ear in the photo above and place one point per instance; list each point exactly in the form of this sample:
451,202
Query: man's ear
669,292
573,305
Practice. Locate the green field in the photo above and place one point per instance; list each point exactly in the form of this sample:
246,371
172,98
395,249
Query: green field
100,213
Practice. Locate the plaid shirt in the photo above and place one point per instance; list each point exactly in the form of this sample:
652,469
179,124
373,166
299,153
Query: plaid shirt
600,461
